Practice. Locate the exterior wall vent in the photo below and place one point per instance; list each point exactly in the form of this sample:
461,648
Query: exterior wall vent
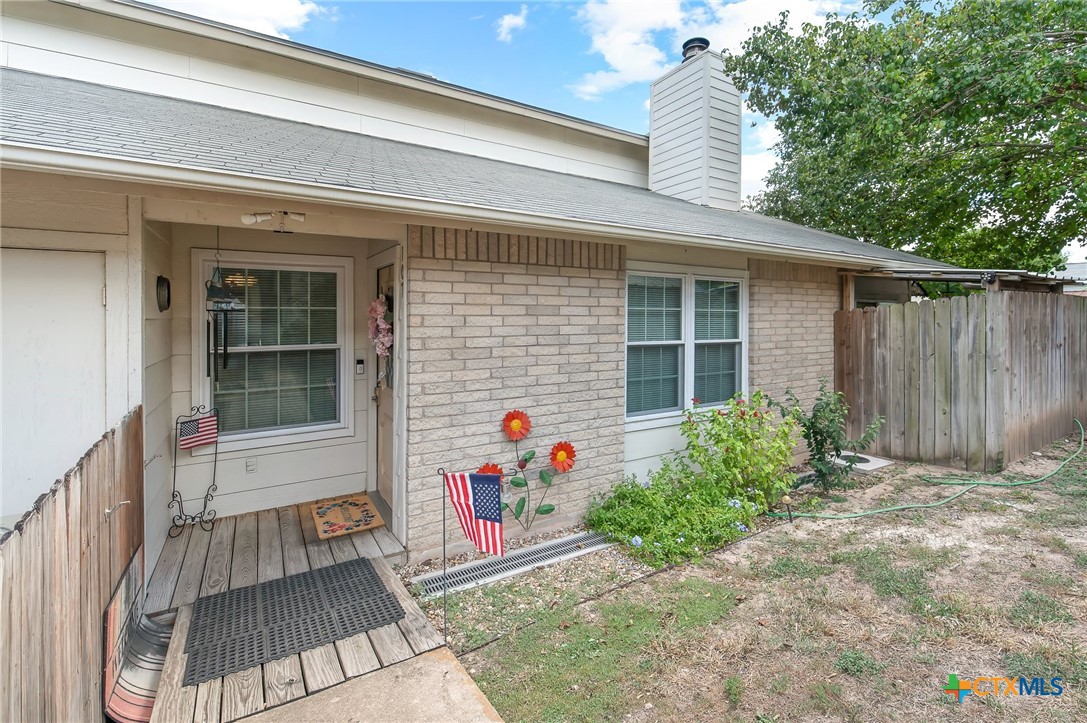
694,131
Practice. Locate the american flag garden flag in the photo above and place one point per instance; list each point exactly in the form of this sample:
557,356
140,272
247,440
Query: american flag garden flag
477,500
198,432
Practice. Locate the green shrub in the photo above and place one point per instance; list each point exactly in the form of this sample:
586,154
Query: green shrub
824,431
857,663
734,467
740,447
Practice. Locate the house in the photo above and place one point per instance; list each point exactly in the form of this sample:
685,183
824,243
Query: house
1078,272
595,278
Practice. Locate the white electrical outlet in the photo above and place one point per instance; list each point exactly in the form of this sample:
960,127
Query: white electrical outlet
250,465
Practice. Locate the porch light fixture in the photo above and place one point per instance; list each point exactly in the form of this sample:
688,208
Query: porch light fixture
251,218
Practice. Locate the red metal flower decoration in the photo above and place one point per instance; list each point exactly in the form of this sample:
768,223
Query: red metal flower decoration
516,425
562,456
490,468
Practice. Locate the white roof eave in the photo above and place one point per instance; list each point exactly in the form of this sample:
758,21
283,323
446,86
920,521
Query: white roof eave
17,156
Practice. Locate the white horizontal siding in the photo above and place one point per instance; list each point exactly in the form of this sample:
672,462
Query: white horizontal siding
644,449
694,146
214,73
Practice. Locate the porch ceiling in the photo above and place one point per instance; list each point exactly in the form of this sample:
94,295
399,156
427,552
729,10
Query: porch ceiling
88,121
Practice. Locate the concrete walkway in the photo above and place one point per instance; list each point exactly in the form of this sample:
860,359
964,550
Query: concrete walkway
433,686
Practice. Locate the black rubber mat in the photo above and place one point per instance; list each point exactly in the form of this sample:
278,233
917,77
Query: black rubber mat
239,629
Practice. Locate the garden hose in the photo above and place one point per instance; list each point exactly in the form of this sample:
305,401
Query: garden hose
968,483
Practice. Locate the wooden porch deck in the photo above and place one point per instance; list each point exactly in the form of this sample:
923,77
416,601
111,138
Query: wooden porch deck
256,547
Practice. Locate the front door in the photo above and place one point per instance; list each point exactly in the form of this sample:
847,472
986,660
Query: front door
384,393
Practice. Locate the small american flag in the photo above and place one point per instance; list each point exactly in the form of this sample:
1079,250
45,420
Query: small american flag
198,432
478,501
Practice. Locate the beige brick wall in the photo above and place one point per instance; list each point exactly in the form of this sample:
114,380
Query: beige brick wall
791,327
498,322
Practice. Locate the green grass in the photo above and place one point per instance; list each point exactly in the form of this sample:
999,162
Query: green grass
857,663
779,684
826,697
875,566
734,689
1051,580
1034,609
586,663
483,613
1059,544
1069,663
792,566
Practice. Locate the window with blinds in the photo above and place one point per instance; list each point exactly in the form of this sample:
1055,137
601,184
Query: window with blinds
284,351
684,340
716,340
654,343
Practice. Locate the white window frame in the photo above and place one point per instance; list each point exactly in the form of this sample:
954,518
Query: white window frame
688,274
203,261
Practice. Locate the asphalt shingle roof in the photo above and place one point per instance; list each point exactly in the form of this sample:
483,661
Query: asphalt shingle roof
60,113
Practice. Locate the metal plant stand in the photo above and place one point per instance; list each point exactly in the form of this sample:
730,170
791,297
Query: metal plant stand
205,516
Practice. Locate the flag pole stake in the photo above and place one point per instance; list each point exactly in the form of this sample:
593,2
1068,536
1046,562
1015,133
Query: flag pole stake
445,575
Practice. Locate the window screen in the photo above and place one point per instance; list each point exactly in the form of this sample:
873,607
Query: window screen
284,352
654,370
716,319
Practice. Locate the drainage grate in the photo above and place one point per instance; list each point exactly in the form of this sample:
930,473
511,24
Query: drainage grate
486,571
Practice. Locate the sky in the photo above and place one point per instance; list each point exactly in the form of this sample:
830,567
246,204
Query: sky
592,60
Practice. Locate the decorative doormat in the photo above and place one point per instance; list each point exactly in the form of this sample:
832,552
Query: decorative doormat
241,628
344,515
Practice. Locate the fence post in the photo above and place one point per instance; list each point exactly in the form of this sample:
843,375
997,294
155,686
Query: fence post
996,320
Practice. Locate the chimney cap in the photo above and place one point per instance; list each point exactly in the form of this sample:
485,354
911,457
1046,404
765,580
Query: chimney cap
694,46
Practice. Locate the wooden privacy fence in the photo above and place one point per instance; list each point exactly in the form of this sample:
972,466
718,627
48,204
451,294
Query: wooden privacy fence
976,381
58,569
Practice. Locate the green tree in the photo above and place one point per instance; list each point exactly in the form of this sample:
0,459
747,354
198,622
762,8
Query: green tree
957,130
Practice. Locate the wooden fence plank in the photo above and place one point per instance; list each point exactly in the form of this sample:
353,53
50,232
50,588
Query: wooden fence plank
926,385
960,370
30,621
75,587
50,621
975,413
943,368
7,594
995,319
911,349
896,373
61,600
14,653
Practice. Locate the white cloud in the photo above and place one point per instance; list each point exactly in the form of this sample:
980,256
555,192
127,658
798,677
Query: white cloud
271,17
753,170
640,40
510,22
625,34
